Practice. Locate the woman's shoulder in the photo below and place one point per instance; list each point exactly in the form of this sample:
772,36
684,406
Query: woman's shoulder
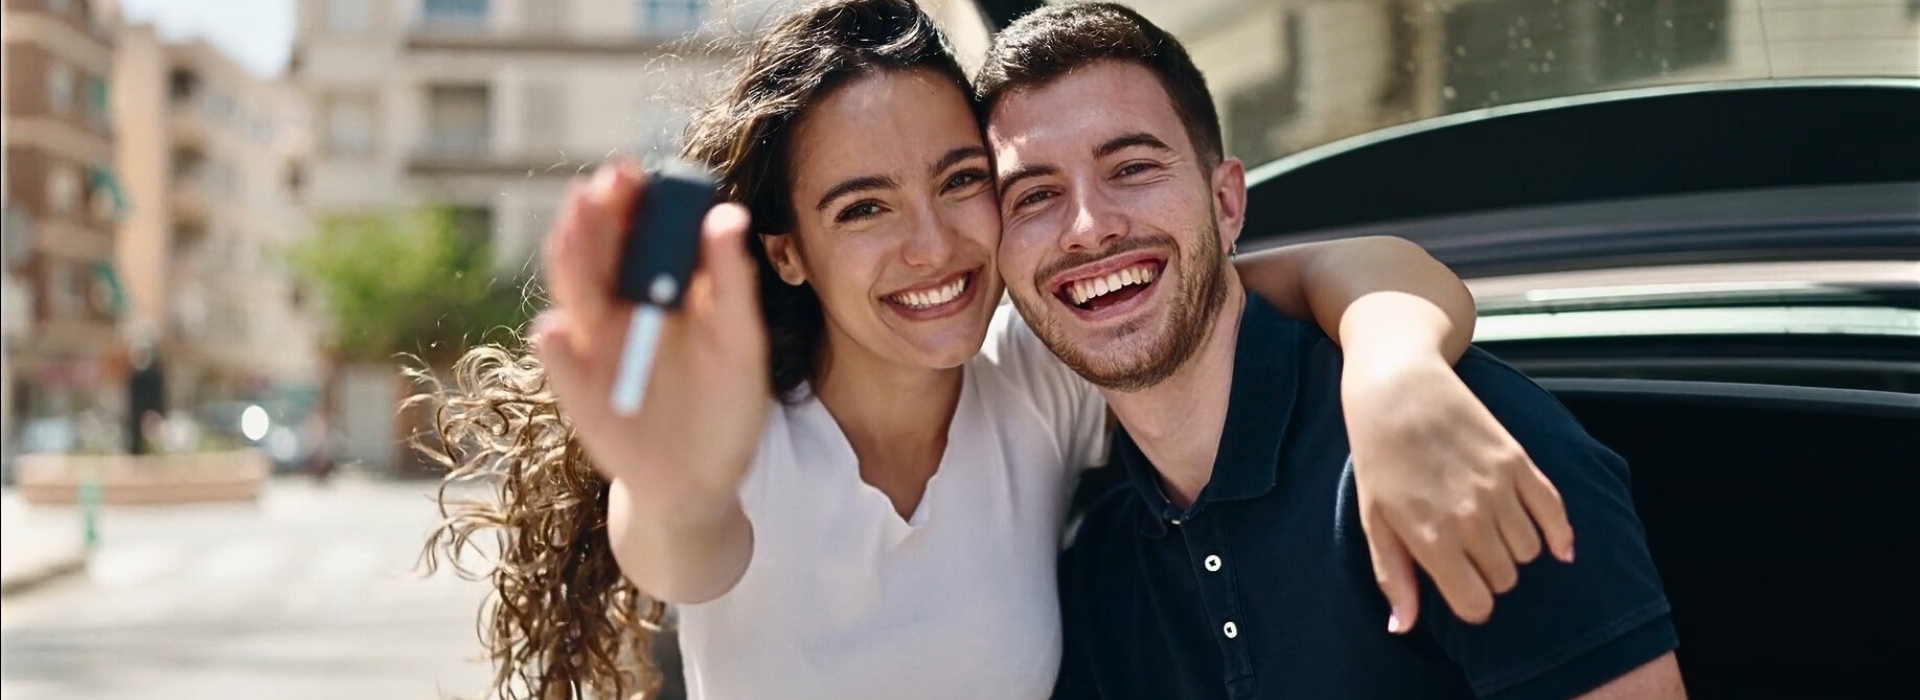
1015,364
1012,346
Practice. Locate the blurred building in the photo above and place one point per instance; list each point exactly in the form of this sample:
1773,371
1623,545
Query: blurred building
210,155
64,355
1292,74
488,106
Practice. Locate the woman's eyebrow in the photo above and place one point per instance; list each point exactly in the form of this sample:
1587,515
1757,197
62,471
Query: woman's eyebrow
954,157
865,182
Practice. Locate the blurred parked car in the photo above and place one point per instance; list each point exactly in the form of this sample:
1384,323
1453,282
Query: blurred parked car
278,428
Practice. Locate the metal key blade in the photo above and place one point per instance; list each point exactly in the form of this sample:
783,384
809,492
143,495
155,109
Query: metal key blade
636,359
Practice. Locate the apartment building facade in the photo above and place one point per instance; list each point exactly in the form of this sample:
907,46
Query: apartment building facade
212,155
64,355
489,106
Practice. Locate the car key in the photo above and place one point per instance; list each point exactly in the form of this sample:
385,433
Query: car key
661,249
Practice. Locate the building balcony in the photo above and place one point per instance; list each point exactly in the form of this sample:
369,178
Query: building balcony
473,154
471,38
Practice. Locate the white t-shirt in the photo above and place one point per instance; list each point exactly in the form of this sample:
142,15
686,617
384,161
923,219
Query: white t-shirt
845,600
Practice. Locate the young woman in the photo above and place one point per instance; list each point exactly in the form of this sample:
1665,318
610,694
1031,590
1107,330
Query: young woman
883,522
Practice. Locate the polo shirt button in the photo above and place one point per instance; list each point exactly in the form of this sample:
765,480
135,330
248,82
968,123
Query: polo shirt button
1213,562
1230,630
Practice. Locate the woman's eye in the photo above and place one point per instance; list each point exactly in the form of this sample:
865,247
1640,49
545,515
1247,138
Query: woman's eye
859,210
964,178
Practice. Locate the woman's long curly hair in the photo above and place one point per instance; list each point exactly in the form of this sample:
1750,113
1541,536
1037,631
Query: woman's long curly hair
562,621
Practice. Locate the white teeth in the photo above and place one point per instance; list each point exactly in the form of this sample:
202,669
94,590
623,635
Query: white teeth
922,300
1082,290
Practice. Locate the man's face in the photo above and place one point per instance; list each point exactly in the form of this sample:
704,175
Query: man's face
1114,226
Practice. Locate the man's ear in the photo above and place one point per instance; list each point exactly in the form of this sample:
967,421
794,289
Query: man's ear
784,251
1230,200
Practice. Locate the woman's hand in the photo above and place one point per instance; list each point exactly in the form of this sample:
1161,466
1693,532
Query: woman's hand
1441,482
677,464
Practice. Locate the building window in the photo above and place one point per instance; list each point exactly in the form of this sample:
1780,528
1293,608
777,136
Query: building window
97,112
104,295
545,127
182,85
459,120
103,195
349,16
296,180
669,18
349,127
473,224
63,189
66,289
457,12
59,87
546,16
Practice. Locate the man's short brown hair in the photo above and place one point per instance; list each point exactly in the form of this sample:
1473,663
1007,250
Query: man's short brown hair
1054,40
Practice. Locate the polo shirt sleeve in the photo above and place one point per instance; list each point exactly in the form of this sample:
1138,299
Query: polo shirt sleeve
1564,629
1071,407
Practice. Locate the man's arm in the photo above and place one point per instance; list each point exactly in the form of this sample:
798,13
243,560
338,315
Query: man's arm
1441,483
1376,291
1659,679
1598,624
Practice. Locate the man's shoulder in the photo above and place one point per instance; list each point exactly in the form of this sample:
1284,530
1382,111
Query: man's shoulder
1109,505
1097,531
1529,411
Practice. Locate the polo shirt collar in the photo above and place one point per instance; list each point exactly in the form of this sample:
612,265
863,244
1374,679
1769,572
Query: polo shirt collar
1265,388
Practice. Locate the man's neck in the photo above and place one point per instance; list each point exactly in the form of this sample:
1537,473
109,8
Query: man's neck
1178,422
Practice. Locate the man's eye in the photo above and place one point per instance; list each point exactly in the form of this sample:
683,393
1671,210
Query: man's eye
1032,198
1134,169
859,210
964,178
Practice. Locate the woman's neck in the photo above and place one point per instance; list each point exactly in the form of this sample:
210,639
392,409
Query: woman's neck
895,417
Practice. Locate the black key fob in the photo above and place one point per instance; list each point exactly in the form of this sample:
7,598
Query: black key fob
663,235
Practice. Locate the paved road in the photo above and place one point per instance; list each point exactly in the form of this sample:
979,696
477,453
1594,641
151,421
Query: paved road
310,594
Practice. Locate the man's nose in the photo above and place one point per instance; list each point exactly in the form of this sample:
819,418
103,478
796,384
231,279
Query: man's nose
1096,222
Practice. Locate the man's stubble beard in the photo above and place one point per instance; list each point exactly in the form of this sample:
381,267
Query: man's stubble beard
1202,292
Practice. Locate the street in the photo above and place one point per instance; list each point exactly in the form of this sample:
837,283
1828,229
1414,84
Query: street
310,593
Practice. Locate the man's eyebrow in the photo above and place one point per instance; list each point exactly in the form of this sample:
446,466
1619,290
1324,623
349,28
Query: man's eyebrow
1138,138
955,157
1023,172
869,182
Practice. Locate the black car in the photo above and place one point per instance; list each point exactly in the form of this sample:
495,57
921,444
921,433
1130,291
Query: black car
1716,268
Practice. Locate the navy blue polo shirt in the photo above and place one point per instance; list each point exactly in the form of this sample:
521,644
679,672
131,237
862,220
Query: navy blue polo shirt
1263,588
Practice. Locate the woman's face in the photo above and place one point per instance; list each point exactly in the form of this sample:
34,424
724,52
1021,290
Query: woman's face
896,221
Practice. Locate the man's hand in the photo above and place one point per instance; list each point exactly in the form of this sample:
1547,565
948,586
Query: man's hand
1442,483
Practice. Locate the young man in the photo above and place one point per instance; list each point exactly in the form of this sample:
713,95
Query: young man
1233,564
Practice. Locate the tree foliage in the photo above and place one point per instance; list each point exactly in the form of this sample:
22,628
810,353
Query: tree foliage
413,282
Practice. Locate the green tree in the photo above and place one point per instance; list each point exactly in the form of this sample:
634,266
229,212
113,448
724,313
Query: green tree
414,282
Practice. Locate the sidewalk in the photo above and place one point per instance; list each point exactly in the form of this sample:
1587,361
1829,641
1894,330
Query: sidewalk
38,545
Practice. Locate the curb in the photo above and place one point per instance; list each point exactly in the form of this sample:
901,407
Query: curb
49,571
